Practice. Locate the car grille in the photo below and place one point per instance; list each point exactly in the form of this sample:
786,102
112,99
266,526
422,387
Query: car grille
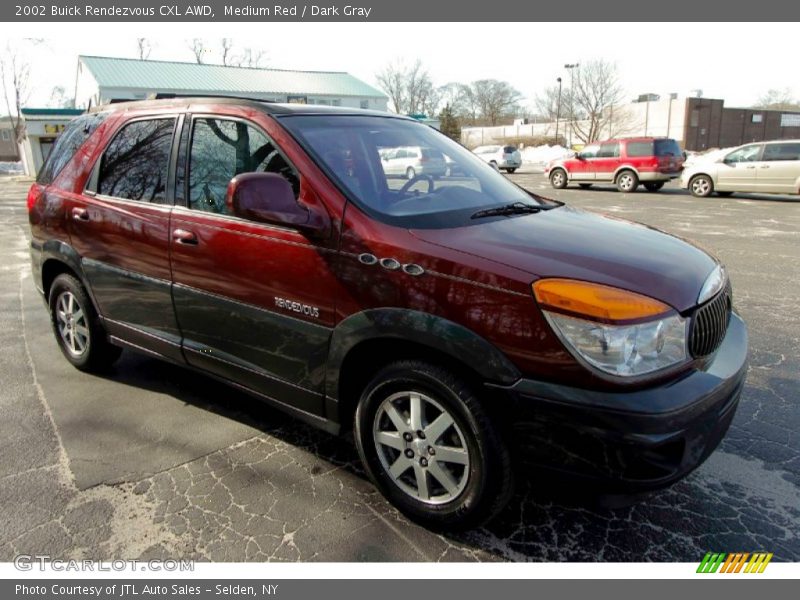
709,324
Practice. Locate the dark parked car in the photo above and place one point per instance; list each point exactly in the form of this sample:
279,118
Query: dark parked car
462,328
624,162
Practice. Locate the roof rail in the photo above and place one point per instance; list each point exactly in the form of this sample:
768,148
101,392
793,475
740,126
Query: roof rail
171,95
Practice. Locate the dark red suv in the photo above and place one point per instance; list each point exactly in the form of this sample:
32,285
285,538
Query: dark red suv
625,162
462,327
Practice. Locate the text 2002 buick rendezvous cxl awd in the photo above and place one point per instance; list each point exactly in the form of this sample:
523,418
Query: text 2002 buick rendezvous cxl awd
461,326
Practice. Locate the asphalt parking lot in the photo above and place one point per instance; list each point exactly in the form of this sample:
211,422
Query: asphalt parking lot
151,461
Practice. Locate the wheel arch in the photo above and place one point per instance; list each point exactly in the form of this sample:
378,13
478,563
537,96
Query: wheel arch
366,341
622,168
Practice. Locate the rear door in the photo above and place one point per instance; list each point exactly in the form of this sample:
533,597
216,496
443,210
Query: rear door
738,171
120,228
779,170
255,302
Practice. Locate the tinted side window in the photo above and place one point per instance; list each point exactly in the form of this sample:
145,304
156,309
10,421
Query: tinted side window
134,166
222,149
782,152
746,154
67,144
668,148
640,149
608,150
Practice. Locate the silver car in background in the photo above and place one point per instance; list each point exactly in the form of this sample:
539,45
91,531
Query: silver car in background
762,167
506,158
411,161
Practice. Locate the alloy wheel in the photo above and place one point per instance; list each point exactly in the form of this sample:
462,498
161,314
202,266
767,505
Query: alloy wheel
72,325
421,447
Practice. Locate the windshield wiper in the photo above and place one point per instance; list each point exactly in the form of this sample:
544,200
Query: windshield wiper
516,208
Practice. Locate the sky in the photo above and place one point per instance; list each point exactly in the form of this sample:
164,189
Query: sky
724,60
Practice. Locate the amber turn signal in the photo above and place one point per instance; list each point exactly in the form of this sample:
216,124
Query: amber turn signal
595,301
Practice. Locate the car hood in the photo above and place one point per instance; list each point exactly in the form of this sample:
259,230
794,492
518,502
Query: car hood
572,243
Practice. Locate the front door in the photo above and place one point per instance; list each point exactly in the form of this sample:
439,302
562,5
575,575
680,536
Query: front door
582,168
120,228
254,301
738,171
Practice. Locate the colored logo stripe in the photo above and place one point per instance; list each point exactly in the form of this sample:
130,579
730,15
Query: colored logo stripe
735,562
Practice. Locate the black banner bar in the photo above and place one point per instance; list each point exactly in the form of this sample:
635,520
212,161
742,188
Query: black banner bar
399,11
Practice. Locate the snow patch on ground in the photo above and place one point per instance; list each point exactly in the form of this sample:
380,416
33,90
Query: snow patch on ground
541,155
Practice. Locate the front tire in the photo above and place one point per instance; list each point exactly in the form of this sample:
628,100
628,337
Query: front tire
558,179
77,327
510,171
701,186
430,448
627,182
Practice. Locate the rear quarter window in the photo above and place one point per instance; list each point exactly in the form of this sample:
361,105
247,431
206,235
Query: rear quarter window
640,149
71,139
668,148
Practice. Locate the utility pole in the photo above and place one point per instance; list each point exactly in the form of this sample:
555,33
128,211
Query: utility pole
558,107
571,68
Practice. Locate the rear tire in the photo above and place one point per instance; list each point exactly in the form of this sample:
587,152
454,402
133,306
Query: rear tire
627,182
558,178
653,186
77,327
410,173
430,448
701,186
510,171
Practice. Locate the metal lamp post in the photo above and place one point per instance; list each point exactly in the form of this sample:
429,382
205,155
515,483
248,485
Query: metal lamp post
558,107
570,67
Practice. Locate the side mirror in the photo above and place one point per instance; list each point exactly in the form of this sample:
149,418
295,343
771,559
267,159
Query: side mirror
269,198
579,156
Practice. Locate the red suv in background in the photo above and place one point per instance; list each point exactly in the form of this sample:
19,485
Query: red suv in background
456,325
625,162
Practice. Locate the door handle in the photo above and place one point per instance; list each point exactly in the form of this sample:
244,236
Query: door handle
185,237
764,167
80,214
751,167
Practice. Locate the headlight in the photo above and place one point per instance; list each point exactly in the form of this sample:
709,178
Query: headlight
616,331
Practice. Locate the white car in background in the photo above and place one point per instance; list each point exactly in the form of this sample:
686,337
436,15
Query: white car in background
762,167
411,161
506,158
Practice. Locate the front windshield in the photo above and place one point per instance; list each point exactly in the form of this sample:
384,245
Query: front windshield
401,171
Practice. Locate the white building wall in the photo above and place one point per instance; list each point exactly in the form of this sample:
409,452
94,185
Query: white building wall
661,118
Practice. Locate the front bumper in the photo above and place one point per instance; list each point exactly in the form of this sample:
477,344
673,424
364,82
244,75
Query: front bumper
631,441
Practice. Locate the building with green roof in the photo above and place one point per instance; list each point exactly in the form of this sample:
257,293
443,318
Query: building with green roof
102,79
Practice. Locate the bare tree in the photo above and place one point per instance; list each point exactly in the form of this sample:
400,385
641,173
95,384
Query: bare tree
420,92
198,48
494,99
454,96
550,103
778,100
15,74
595,92
392,80
143,48
253,58
60,99
226,47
